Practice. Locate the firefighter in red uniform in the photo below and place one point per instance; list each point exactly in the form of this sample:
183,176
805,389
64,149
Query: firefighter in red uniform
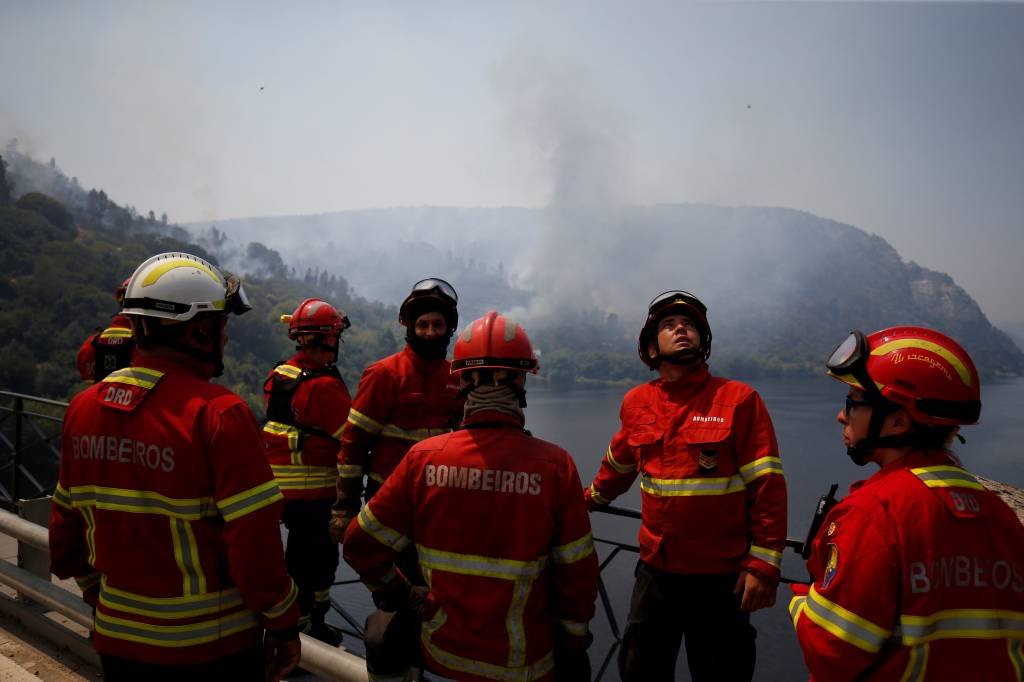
714,504
501,532
110,348
307,407
166,511
919,572
401,400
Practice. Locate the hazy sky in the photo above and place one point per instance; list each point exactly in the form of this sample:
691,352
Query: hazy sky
906,120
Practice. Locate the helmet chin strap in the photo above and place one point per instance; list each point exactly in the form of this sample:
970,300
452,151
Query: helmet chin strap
683,358
865,447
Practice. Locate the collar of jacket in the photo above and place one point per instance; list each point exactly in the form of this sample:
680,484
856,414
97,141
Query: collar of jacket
917,458
493,416
172,362
687,386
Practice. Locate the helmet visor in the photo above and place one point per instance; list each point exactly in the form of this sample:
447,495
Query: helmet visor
235,299
667,298
847,355
436,284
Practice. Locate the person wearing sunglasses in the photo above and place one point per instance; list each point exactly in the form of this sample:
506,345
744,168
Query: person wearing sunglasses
918,573
307,405
166,511
714,504
401,399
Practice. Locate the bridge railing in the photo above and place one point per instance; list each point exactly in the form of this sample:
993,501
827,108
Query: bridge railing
29,446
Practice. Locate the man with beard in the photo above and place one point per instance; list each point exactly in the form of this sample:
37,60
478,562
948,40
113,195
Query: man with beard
401,400
714,504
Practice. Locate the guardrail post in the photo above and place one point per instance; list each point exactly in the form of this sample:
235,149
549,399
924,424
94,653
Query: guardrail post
19,408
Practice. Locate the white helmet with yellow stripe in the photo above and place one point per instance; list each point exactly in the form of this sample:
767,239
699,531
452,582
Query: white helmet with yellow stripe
178,286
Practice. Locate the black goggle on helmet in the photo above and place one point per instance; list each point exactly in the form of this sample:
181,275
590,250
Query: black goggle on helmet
664,304
432,293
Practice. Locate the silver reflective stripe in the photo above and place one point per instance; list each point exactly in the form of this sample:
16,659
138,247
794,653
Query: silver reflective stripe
170,607
946,476
671,487
1016,651
268,492
573,628
483,669
514,623
769,556
141,501
388,537
844,627
917,664
472,564
572,552
760,467
962,623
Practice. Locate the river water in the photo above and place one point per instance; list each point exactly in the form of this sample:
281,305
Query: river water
813,455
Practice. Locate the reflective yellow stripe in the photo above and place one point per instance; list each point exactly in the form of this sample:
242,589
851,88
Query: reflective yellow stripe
141,502
947,476
761,467
291,477
290,371
573,628
174,636
384,580
615,464
767,555
186,555
61,497
901,344
844,624
350,471
291,433
917,664
373,476
685,487
340,432
116,333
281,607
381,533
135,376
796,607
248,501
171,264
90,534
357,418
962,624
322,595
597,497
476,564
1015,647
514,626
572,552
415,435
170,608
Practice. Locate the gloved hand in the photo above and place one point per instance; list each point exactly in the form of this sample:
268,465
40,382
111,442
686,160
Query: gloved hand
571,665
339,523
588,497
281,652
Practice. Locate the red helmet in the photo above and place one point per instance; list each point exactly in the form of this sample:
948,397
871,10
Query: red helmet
674,303
119,291
927,373
493,342
315,317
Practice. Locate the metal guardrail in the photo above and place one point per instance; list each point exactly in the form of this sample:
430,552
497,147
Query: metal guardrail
28,434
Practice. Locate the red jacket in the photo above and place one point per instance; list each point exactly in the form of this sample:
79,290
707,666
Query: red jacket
401,400
167,514
117,335
714,496
503,539
303,446
918,575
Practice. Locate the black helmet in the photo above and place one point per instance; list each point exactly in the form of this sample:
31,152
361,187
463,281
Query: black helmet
431,295
678,303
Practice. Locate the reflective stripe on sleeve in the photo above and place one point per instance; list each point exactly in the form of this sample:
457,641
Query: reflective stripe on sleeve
350,471
844,624
761,467
379,532
358,419
290,371
475,564
573,628
769,556
615,464
248,501
572,552
962,624
61,497
341,430
596,496
281,607
174,636
116,333
1015,647
946,476
384,581
292,477
796,607
677,487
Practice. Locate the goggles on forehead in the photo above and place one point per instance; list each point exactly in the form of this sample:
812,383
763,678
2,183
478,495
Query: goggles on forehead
436,284
850,358
235,300
667,298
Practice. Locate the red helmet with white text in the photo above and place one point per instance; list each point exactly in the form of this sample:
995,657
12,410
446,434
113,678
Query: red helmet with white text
493,342
316,320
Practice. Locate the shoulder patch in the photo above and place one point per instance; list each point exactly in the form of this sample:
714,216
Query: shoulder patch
126,388
832,567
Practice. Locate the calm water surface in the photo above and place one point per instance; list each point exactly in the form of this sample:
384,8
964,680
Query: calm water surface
810,441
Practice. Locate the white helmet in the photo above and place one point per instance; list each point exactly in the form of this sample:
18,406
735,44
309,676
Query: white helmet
178,286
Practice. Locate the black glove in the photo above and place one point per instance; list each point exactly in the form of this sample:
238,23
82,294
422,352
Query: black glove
572,665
